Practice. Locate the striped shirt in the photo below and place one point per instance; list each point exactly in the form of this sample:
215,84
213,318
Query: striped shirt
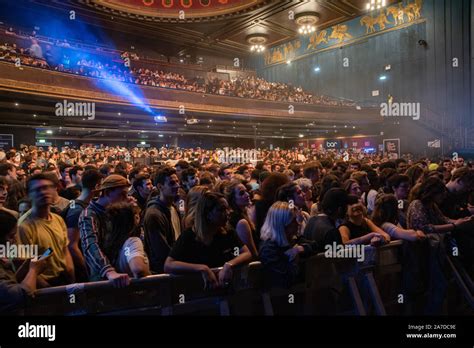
93,225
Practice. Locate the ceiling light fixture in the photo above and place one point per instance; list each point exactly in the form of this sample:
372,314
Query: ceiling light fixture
373,5
306,22
257,42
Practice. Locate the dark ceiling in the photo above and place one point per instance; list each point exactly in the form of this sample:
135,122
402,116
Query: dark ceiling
207,31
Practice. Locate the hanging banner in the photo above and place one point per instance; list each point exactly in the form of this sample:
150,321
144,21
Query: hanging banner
391,148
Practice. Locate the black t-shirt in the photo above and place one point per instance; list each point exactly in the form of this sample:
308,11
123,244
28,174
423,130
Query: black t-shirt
357,231
223,248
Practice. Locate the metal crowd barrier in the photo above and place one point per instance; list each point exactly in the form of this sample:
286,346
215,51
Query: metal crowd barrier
333,286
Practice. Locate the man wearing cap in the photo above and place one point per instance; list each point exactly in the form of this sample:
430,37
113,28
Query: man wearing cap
94,225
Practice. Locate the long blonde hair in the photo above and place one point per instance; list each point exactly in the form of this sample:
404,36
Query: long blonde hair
279,216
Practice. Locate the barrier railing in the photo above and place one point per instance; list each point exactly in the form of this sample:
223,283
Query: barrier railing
334,286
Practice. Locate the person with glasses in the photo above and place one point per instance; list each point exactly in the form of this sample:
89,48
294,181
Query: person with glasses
39,226
282,248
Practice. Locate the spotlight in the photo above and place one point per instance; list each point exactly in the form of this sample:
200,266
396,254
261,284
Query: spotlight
159,119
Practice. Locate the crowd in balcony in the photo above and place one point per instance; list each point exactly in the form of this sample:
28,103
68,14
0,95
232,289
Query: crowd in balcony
122,68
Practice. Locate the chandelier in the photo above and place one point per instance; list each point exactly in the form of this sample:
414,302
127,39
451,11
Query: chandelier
376,4
306,22
257,42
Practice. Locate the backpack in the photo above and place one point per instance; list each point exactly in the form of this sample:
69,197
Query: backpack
72,205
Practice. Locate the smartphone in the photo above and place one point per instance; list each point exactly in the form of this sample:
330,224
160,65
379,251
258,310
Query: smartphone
48,252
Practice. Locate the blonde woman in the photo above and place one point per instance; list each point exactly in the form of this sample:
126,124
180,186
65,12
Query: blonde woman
208,244
281,247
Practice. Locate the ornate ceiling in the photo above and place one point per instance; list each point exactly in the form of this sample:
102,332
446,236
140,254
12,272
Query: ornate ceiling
220,28
167,10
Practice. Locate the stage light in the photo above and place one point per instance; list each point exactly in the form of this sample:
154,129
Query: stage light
192,121
16,104
317,69
160,119
382,78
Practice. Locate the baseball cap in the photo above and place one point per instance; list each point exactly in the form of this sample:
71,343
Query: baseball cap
114,181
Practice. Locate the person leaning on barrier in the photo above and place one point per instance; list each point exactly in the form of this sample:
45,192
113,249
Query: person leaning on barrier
122,244
282,247
358,229
386,216
162,222
93,227
14,292
209,244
